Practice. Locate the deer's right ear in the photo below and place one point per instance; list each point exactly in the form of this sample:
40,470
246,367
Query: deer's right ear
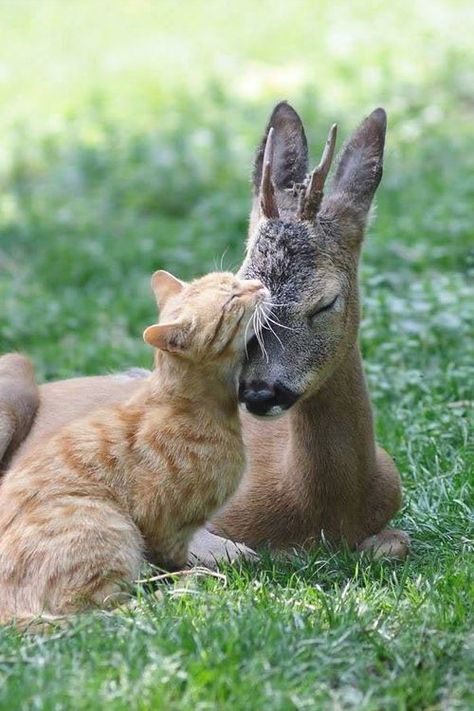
290,149
358,175
165,285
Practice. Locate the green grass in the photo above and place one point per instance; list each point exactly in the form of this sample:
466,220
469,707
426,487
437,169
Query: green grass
127,135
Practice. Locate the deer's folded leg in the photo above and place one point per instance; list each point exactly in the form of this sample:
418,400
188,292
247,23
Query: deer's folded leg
389,543
208,549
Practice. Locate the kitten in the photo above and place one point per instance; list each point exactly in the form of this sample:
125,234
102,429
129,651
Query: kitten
136,479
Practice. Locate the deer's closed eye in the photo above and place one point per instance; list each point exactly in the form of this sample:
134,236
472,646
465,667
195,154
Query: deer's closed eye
322,308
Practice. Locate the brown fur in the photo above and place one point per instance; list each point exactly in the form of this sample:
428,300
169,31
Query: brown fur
312,471
317,470
19,401
137,478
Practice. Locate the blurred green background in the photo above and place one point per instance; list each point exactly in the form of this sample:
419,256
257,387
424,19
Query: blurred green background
128,131
127,138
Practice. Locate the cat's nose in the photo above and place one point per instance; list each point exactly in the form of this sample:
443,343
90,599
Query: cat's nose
265,399
254,285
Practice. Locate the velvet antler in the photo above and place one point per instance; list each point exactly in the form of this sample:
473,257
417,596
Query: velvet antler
312,196
268,203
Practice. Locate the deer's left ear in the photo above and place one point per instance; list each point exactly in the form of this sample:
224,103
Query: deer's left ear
281,161
290,149
358,175
164,286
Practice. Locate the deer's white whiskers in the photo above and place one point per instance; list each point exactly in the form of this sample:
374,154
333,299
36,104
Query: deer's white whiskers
277,323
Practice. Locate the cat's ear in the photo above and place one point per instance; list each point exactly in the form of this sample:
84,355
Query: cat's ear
170,337
165,285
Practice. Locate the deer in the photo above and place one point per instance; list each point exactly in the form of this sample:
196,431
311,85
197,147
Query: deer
314,471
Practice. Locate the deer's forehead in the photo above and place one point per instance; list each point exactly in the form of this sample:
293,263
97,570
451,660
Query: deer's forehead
287,258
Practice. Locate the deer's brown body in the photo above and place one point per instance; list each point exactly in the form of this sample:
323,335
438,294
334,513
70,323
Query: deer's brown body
316,471
307,472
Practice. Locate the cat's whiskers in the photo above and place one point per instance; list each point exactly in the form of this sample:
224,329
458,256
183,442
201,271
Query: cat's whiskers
246,340
278,323
271,304
256,326
223,257
268,327
258,332
268,306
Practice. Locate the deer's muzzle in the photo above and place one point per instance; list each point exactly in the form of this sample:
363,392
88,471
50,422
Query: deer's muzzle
264,399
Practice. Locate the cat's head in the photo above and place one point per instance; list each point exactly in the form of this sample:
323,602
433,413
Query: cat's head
209,319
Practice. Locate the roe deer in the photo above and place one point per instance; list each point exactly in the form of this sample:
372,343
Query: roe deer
317,471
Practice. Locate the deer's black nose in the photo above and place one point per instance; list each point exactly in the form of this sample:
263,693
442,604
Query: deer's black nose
265,399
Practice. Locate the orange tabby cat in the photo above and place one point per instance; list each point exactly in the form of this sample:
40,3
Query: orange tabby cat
133,480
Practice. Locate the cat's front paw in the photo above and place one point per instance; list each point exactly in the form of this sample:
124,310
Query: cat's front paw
209,550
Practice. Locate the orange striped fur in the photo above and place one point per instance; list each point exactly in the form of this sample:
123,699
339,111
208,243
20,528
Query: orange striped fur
136,479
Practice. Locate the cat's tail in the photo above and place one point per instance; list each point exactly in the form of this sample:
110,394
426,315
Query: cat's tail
19,401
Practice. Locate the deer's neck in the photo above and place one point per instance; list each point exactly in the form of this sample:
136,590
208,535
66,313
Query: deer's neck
332,437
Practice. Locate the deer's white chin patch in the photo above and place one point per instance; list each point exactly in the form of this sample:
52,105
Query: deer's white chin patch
275,411
271,414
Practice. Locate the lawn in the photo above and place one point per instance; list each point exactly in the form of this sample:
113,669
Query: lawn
127,137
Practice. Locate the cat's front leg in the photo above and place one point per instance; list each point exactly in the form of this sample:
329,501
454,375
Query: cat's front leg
209,550
167,553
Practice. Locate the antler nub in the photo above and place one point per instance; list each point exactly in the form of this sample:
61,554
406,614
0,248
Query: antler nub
311,201
267,190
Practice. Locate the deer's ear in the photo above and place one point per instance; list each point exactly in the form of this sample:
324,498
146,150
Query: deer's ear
290,149
358,174
165,285
170,337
